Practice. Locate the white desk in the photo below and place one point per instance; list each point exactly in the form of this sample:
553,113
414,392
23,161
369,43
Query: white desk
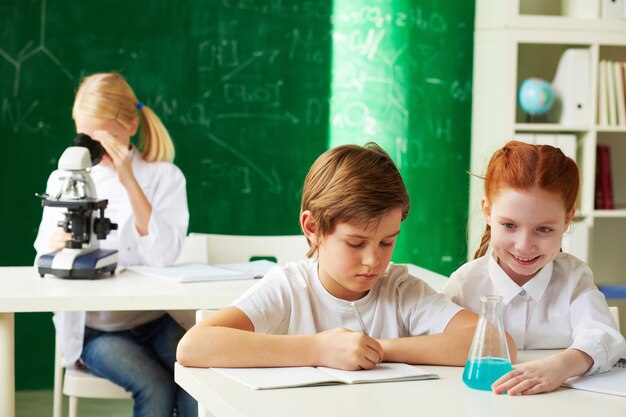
447,396
22,290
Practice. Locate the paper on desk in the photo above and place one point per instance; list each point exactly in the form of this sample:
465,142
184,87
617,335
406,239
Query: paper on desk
198,271
292,377
612,382
256,269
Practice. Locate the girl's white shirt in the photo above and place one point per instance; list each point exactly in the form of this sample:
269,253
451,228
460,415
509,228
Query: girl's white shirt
560,307
164,186
291,299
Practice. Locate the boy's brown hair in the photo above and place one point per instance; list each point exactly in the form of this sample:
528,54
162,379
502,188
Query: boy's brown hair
352,184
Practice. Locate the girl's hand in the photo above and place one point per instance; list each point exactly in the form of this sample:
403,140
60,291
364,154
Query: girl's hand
118,155
58,239
534,377
341,348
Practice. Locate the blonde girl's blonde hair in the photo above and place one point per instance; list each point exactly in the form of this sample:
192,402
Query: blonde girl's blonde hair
521,166
109,96
352,184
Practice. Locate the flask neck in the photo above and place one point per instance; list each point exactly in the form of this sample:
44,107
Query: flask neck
491,308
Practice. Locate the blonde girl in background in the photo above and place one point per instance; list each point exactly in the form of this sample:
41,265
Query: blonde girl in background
549,298
148,200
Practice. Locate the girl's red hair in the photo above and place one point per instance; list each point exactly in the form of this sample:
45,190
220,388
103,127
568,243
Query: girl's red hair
522,166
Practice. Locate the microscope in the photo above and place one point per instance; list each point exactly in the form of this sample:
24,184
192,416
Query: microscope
81,258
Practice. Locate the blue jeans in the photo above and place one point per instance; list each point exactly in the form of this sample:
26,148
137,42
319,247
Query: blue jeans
141,360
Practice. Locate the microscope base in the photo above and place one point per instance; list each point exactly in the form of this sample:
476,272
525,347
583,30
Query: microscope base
89,265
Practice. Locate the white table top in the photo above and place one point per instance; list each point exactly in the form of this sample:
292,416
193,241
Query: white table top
447,396
23,290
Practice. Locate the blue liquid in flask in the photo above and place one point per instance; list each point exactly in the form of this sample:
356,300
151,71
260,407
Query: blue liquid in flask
481,373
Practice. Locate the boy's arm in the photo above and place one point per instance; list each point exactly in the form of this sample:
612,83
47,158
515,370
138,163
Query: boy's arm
448,348
227,339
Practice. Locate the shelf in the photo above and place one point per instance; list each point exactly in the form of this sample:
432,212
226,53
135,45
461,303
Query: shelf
611,129
550,127
555,23
615,213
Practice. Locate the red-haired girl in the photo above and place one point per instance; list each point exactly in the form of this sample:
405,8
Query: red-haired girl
549,298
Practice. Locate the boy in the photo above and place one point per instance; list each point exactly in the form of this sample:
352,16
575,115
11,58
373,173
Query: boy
300,314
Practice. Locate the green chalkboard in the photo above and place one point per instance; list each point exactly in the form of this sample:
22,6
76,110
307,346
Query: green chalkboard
252,92
402,76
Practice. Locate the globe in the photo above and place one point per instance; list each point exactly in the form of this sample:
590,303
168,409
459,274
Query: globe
535,96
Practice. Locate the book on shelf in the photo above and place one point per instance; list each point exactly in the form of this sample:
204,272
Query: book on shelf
604,180
598,200
612,382
618,73
603,111
307,376
611,93
198,271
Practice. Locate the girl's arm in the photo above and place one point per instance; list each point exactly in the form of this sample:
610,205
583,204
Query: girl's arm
119,156
596,346
160,217
227,339
543,375
448,348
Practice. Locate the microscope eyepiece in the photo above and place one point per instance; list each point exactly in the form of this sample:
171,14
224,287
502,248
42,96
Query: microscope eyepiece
95,148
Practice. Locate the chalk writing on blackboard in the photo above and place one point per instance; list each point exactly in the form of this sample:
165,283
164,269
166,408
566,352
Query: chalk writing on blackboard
20,117
433,22
32,48
270,177
269,55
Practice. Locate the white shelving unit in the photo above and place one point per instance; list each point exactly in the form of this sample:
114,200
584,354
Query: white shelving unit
517,39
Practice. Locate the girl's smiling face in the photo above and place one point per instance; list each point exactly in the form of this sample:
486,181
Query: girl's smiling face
527,228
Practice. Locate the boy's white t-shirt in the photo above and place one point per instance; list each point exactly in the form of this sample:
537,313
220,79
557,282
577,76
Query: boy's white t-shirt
560,307
291,299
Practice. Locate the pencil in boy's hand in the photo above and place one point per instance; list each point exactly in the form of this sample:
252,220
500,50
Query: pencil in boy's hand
359,319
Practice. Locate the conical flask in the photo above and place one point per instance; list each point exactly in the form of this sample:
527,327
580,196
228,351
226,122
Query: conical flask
489,356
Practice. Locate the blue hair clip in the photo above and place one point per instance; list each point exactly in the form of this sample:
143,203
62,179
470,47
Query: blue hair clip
139,105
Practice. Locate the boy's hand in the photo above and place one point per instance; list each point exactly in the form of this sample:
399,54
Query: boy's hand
533,377
342,348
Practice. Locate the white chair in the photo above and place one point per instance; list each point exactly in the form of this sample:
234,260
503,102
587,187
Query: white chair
76,383
615,313
219,249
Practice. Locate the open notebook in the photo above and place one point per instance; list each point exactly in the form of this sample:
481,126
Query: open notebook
612,382
197,271
272,378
